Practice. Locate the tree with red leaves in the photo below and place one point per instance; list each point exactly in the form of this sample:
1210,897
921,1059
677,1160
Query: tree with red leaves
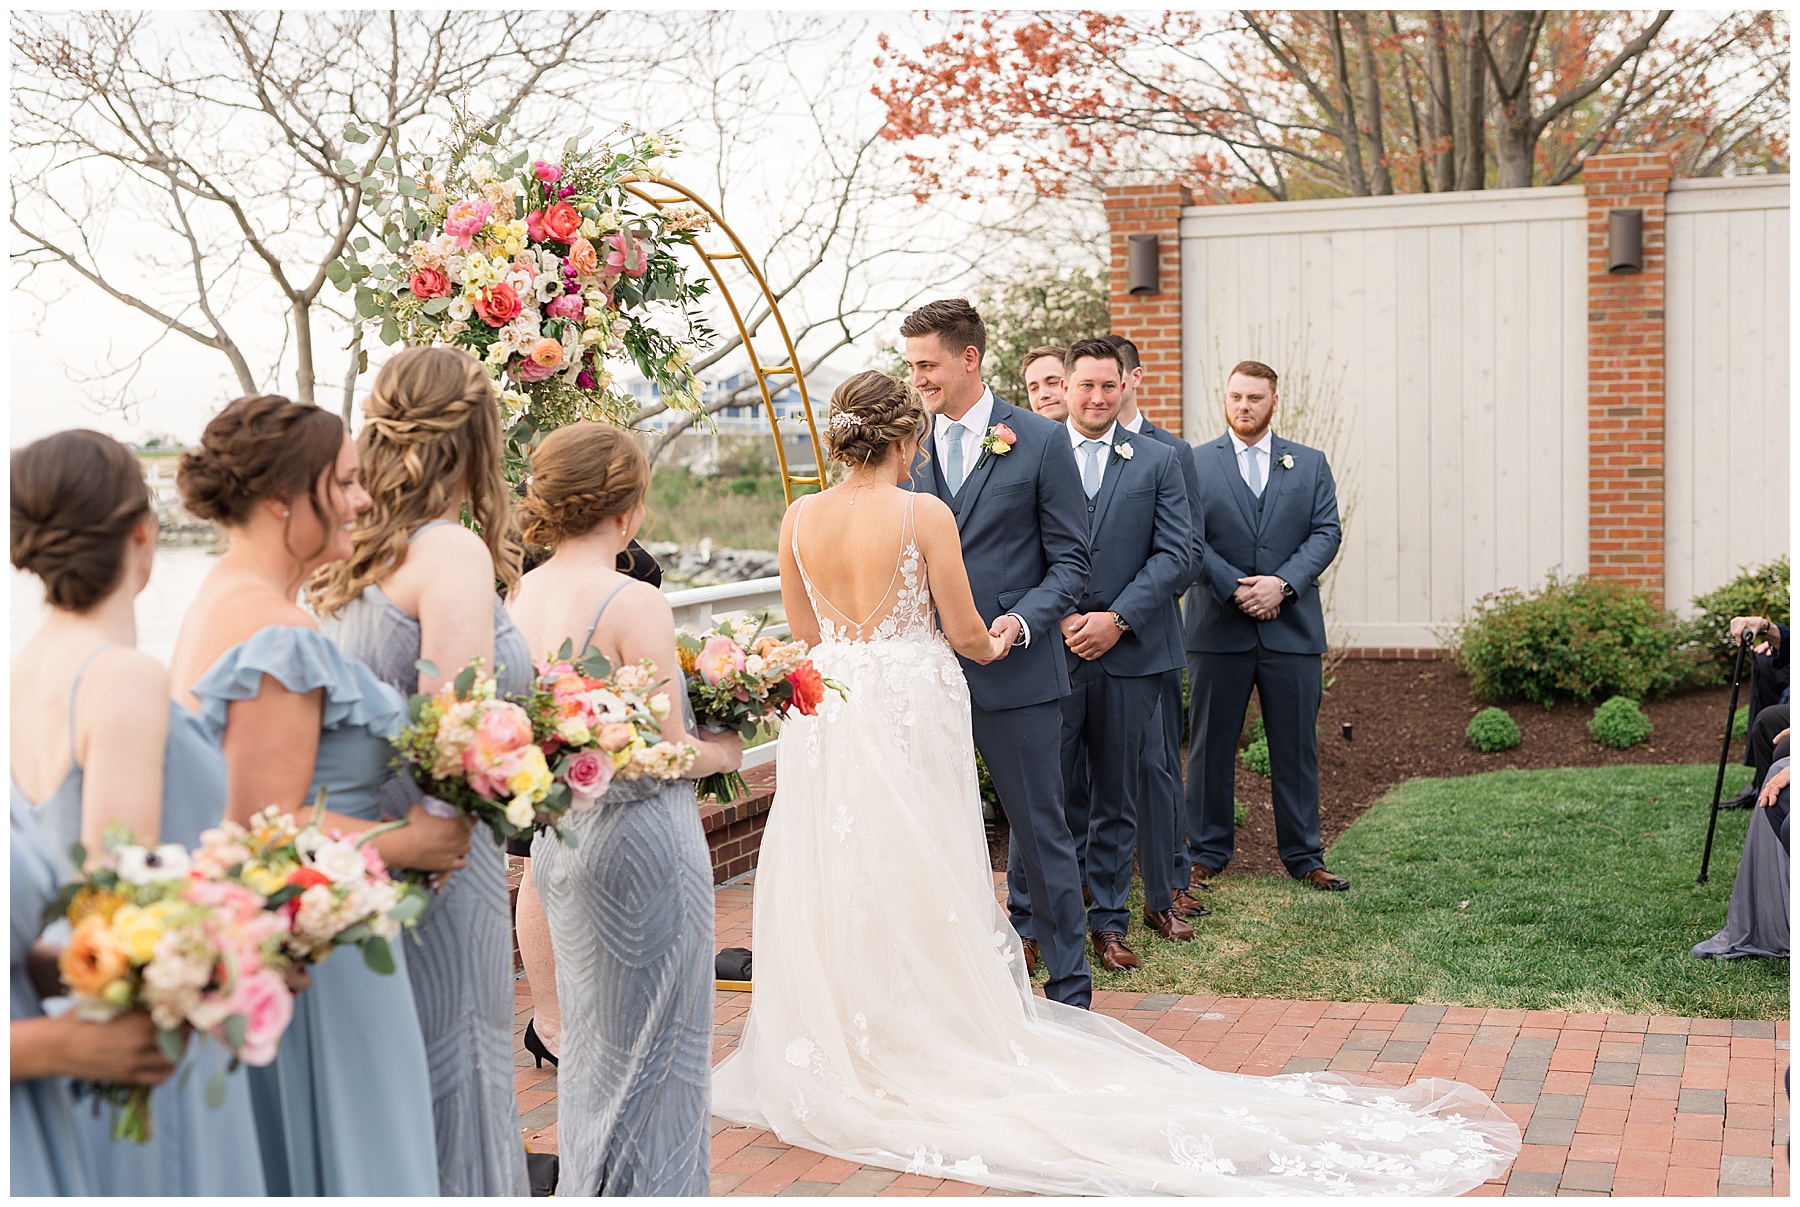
1257,105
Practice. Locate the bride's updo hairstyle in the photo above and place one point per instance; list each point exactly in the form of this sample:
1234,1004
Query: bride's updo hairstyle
431,427
868,413
258,448
581,475
76,496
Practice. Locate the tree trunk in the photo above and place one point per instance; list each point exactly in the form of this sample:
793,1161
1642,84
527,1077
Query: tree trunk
1442,104
1348,135
1515,134
1471,123
350,376
1381,181
303,351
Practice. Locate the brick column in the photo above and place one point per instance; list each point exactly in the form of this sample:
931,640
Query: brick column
1152,322
1625,375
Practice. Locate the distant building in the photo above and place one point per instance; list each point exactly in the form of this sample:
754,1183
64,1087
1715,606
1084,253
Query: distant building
787,404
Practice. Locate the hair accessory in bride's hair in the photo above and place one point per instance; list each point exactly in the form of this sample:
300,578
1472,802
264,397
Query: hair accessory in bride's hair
843,420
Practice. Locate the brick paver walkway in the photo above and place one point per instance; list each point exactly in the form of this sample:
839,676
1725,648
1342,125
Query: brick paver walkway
1610,1104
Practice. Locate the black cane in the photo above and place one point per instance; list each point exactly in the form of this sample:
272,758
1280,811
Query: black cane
1737,677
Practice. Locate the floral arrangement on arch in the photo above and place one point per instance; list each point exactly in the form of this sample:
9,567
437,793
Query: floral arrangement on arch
545,267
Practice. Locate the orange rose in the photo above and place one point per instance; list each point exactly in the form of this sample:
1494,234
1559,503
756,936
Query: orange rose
583,256
547,352
562,222
94,958
767,646
809,688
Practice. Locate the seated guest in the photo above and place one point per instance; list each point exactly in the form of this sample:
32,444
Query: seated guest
1768,700
1756,921
1043,369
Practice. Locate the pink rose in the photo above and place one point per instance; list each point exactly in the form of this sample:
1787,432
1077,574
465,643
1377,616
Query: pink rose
548,670
718,658
267,1006
503,726
566,306
549,173
430,283
615,736
1005,433
534,226
465,220
373,861
529,370
626,256
588,776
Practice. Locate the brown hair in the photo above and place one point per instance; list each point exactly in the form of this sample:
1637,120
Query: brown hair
1128,351
1039,353
1098,348
953,321
868,413
76,496
1255,368
580,475
432,426
261,447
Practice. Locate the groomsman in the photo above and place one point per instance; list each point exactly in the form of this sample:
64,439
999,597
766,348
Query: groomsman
1124,632
1254,620
1043,372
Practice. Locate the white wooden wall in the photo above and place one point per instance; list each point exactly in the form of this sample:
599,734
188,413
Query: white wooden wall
1727,466
1454,332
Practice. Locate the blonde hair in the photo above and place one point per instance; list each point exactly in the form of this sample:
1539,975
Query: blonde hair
432,426
580,475
868,413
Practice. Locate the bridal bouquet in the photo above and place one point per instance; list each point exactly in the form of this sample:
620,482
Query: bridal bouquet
475,751
151,932
739,679
600,724
542,265
331,890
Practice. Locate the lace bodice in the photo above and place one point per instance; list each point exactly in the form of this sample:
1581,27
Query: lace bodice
904,611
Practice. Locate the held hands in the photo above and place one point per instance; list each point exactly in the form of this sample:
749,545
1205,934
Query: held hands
1004,632
1259,596
1090,634
1773,787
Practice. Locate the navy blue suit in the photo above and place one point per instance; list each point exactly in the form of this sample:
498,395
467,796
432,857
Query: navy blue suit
1141,543
1023,523
1291,532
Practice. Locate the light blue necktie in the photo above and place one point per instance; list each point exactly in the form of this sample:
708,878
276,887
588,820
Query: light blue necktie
953,460
1253,462
1090,473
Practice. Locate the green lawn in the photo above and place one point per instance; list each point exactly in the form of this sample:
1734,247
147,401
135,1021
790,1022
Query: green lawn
1570,890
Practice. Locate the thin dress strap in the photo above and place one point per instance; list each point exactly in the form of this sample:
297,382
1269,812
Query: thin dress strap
582,649
816,598
424,526
75,687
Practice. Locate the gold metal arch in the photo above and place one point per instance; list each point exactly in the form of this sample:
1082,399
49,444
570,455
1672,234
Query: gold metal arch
662,193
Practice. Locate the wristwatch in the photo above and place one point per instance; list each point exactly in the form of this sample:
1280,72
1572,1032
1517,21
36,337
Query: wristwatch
1287,592
1120,621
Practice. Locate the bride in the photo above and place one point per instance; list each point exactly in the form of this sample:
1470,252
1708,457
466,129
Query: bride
893,1022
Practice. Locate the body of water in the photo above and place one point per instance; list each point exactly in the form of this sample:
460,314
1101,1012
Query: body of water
174,581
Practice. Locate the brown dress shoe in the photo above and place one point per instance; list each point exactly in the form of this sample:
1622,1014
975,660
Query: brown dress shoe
1031,955
1325,881
1109,945
1185,906
1087,896
1198,875
1169,925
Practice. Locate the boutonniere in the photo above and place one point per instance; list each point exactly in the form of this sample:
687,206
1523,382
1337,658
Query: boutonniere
1286,461
997,443
1124,449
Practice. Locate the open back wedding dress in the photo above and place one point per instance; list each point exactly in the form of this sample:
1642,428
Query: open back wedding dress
893,1021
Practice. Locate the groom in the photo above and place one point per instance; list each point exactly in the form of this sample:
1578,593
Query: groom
1010,478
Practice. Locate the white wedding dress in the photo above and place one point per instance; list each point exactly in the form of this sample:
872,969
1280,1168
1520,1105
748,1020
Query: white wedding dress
893,1023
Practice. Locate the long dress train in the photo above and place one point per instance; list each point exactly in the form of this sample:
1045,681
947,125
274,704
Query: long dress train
893,1022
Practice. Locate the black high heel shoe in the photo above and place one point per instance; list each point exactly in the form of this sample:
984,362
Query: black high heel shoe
536,1047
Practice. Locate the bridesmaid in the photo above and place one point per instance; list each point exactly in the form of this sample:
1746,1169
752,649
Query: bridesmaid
631,907
345,1108
419,585
96,741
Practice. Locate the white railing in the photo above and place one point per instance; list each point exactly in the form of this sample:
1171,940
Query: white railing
700,608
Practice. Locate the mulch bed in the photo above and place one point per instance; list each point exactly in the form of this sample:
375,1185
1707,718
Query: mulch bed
1407,720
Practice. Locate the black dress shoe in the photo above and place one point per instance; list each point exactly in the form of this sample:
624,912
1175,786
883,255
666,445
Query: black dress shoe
1745,799
536,1047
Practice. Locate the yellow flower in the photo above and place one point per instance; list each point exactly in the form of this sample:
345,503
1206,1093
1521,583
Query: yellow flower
513,246
93,902
260,878
532,780
138,929
477,272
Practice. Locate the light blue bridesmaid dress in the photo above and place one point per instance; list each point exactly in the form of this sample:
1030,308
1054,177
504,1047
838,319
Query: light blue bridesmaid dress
345,1109
462,969
194,1149
46,1156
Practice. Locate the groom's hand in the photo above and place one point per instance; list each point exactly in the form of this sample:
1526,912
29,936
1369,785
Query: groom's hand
1090,634
1008,630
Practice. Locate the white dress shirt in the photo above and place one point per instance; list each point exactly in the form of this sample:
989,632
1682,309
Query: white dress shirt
1076,440
969,429
1136,425
1265,447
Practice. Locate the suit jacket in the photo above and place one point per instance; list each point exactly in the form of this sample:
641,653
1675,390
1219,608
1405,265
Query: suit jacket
1190,478
1295,536
1023,522
1141,542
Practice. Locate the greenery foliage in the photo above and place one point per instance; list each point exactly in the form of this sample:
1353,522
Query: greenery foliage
1254,732
1240,813
1620,723
1756,591
1256,756
1740,724
1573,639
1492,730
1045,306
738,505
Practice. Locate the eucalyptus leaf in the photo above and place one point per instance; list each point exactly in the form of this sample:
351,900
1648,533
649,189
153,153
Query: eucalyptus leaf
236,1027
354,934
367,304
409,908
377,956
215,1090
171,1042
465,681
435,305
390,330
360,243
385,163
346,165
426,666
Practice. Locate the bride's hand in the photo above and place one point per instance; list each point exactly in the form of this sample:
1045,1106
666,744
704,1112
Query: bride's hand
997,649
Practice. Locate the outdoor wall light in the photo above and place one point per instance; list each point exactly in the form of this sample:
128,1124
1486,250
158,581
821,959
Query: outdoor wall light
1143,264
1625,241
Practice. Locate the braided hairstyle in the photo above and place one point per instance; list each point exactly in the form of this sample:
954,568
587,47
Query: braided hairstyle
580,475
76,496
262,447
868,413
431,427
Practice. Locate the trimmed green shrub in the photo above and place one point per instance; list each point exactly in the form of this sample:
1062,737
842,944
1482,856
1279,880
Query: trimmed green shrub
1758,591
1256,756
1740,724
1255,731
1240,812
1492,730
1576,639
1620,723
